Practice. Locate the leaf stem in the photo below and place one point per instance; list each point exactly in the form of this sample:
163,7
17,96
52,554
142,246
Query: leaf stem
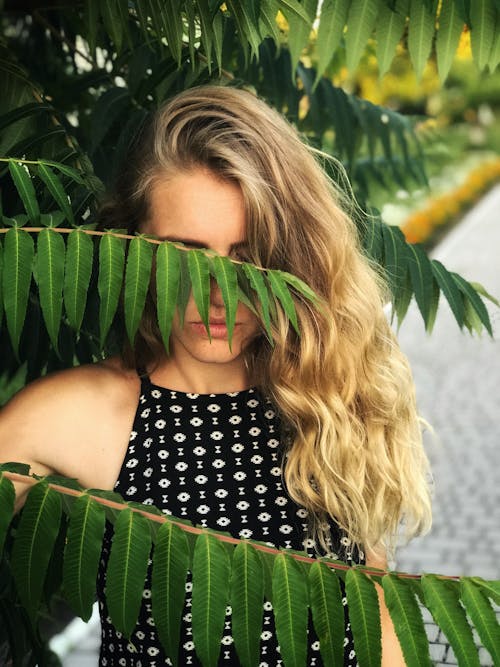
28,479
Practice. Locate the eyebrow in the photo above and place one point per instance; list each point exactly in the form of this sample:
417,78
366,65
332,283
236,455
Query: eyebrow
199,244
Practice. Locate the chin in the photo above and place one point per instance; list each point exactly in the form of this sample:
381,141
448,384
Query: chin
218,353
215,352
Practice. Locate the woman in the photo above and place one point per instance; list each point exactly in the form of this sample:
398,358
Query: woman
312,443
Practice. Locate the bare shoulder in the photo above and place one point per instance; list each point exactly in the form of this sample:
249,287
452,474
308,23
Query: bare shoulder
75,389
73,422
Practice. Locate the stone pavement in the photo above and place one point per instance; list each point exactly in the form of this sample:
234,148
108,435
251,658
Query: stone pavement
458,392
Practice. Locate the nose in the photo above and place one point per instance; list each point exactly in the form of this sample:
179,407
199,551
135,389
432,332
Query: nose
216,299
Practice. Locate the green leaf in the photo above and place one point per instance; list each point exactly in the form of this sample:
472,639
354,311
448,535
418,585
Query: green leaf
199,273
17,265
360,24
475,301
364,614
64,169
52,219
289,7
298,32
246,24
403,296
1,281
420,35
7,500
24,185
256,280
91,14
490,588
373,240
50,272
247,598
106,112
395,256
299,286
331,28
421,279
471,318
170,14
218,33
435,294
482,291
127,567
227,279
24,111
482,35
82,554
77,273
327,613
35,538
267,20
167,287
280,290
450,290
390,26
290,599
407,619
192,27
211,575
109,281
464,9
205,30
137,277
442,600
113,22
170,566
184,287
449,31
484,618
494,58
56,189
19,468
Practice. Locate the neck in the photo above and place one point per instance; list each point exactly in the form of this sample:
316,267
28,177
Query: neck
201,378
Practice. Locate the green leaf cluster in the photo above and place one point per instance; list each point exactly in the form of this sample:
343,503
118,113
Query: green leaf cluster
62,273
227,571
341,24
411,273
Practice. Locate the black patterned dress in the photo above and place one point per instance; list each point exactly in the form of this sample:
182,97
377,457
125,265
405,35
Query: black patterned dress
214,459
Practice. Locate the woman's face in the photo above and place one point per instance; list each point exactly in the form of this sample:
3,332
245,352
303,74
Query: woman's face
203,211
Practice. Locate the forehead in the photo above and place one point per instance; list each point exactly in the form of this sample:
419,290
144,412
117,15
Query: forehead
199,205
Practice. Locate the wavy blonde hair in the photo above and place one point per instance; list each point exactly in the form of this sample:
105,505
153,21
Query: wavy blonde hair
343,388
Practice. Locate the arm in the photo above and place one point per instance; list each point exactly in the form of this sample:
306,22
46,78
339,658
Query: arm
392,656
21,432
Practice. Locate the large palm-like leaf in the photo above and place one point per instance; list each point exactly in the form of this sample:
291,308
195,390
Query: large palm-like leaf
230,571
82,554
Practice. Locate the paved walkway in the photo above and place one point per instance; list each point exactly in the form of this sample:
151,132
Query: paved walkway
458,391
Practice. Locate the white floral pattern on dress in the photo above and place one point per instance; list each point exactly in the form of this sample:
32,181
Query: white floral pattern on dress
230,479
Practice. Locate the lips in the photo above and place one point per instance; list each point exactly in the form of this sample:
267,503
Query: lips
218,330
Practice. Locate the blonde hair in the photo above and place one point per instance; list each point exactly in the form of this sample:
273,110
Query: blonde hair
343,388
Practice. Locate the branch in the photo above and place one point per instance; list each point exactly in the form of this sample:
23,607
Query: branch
32,480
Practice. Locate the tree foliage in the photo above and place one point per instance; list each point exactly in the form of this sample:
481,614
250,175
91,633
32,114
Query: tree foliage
67,119
77,81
